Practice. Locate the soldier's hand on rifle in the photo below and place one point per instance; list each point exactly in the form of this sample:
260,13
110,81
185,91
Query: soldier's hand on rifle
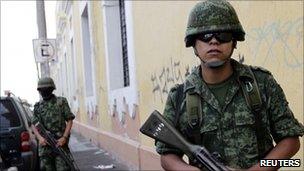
42,141
61,141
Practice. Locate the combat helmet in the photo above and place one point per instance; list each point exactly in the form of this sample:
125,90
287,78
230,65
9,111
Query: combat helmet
213,16
46,82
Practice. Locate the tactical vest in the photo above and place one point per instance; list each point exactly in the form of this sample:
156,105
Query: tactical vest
194,109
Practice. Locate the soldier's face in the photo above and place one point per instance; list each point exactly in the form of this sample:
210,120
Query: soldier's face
46,92
213,50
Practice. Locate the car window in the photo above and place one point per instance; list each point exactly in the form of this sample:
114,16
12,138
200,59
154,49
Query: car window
8,115
24,112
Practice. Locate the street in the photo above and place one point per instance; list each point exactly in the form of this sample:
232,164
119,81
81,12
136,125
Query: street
89,157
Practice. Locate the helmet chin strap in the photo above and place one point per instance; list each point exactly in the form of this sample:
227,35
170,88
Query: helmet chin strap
215,64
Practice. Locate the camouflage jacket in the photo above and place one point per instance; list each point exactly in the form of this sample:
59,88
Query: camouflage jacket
229,130
52,114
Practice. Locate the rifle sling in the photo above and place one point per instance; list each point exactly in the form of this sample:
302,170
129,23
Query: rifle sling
179,98
194,112
253,99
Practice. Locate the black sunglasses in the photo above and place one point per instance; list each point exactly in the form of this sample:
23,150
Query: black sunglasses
222,37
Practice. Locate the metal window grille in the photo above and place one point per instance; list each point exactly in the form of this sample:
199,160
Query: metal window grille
123,27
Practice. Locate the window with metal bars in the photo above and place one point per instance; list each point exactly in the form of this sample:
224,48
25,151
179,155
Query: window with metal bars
124,43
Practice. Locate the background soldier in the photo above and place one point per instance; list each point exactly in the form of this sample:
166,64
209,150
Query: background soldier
54,114
222,93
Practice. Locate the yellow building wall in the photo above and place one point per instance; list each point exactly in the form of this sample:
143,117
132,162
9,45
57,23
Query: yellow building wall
79,62
100,69
161,57
101,119
274,40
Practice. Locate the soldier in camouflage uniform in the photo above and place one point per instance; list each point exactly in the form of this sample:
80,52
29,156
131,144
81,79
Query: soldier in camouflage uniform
227,121
54,114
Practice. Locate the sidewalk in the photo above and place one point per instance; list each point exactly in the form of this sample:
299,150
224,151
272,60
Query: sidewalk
89,157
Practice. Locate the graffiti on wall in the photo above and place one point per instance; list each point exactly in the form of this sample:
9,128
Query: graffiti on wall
241,58
280,39
168,76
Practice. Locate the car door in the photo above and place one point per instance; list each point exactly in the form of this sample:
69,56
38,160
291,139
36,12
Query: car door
10,124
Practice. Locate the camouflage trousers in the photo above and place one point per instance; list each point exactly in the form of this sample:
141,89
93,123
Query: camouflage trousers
50,161
53,163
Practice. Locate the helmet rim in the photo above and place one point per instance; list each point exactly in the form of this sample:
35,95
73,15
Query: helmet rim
46,82
213,16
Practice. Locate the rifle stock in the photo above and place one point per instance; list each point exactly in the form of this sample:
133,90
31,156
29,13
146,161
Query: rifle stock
57,149
159,129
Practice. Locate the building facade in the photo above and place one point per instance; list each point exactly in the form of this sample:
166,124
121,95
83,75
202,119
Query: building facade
118,59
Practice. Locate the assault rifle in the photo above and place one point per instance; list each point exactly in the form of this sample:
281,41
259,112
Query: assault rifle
57,149
159,129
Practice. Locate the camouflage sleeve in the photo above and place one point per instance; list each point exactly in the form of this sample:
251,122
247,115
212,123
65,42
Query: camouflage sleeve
169,114
35,118
282,121
68,115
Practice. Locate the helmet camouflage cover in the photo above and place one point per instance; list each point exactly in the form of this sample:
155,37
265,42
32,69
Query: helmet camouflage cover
46,82
213,16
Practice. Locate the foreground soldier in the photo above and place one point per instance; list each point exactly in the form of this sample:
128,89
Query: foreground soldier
234,110
54,114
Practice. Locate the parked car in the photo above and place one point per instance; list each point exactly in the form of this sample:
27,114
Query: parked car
18,145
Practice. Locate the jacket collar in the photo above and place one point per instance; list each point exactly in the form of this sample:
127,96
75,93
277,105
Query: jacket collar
194,84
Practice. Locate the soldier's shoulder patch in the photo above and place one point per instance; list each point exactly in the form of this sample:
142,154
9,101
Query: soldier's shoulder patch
258,68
